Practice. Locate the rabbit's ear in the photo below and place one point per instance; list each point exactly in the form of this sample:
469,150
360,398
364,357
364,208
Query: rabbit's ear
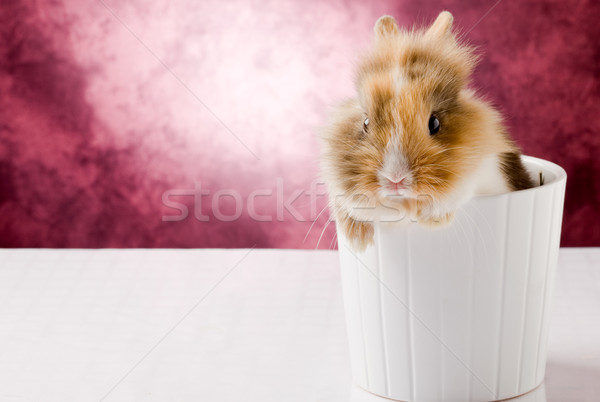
441,27
385,26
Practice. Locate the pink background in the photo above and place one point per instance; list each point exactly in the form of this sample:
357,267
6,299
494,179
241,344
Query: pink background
107,105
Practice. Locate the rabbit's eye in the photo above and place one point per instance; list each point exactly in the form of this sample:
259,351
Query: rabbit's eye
434,125
366,125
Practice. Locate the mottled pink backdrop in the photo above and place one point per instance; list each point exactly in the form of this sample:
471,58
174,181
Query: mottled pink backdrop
112,114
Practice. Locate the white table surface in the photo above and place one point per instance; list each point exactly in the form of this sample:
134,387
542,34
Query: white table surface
223,325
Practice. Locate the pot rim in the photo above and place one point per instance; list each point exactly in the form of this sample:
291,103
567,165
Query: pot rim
545,166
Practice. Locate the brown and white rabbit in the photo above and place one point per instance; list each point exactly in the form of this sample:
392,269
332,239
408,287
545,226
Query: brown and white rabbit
416,142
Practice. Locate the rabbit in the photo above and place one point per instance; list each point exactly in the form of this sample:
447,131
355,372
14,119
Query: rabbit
416,142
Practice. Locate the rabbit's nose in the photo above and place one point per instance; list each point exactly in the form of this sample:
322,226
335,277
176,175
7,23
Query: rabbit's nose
396,179
398,186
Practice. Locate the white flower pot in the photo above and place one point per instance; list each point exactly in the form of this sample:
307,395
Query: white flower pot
459,313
